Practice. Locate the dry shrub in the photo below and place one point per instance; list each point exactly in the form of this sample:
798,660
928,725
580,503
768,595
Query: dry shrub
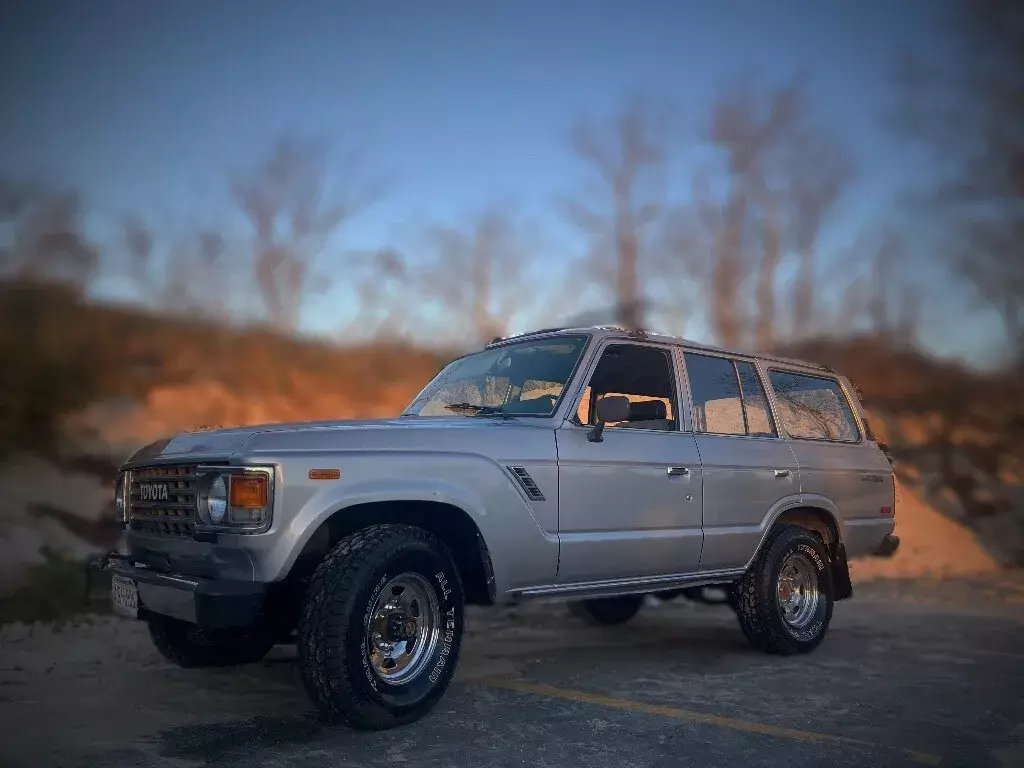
62,354
49,368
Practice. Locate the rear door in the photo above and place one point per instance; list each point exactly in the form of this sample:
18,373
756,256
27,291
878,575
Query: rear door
840,469
748,469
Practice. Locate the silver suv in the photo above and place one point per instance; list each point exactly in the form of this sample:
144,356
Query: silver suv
596,464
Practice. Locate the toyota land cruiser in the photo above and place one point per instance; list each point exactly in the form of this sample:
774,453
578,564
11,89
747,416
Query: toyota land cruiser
598,465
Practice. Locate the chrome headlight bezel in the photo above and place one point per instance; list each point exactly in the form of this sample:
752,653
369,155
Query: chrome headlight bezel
232,520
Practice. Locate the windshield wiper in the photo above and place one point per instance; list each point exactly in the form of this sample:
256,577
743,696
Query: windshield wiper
485,410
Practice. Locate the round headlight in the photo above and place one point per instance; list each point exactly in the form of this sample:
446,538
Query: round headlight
217,500
119,498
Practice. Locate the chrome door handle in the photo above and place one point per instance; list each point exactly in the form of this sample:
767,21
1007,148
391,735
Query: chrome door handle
782,473
678,470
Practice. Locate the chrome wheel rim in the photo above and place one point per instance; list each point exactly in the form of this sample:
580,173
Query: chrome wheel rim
403,629
797,591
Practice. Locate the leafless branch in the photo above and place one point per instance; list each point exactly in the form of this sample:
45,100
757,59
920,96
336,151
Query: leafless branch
47,239
293,216
625,152
480,274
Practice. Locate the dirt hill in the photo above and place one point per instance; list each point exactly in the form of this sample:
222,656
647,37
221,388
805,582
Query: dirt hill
85,385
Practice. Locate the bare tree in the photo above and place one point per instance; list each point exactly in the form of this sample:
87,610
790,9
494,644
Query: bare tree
625,152
293,216
189,275
748,127
482,274
379,278
767,201
969,107
771,238
818,170
46,236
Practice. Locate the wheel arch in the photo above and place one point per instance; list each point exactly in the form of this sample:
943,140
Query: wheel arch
815,519
450,523
819,516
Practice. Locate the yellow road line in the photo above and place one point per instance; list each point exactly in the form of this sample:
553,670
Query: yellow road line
692,716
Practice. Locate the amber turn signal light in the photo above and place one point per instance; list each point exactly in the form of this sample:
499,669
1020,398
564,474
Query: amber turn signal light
325,474
249,491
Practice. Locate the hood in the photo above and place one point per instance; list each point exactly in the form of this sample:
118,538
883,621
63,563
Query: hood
221,444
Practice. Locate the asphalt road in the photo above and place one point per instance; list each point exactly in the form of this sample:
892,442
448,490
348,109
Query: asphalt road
911,674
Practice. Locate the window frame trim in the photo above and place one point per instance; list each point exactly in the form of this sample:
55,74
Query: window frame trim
733,360
858,427
772,419
682,425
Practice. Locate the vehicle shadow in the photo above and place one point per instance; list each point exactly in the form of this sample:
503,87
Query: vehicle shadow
270,711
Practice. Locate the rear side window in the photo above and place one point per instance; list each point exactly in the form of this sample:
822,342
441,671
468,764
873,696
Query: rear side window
728,398
813,407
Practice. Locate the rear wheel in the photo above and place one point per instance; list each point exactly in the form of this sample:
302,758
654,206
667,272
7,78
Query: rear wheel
188,646
785,599
381,627
607,611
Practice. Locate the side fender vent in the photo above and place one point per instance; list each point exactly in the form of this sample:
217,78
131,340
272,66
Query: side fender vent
531,488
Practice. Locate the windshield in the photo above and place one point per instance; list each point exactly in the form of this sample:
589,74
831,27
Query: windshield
522,379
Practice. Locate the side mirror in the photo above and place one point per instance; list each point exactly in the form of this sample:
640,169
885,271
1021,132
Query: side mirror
612,408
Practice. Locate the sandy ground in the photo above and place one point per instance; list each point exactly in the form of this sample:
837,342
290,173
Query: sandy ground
913,672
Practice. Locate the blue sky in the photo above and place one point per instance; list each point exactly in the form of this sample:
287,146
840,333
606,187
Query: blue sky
146,106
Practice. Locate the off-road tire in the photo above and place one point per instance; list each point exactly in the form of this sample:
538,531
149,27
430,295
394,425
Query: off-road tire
758,609
332,643
607,611
188,646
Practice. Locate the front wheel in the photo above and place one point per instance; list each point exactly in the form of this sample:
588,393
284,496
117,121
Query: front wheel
381,627
785,599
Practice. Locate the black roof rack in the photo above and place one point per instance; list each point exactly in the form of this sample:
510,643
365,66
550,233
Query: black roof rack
643,333
524,335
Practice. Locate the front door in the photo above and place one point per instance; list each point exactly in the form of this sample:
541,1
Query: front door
748,469
629,505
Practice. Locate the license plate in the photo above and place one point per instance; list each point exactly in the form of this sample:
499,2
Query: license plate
124,596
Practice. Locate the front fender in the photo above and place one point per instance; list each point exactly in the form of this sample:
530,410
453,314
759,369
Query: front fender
337,499
521,552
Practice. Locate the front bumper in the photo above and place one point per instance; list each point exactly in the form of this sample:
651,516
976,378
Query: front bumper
888,546
212,604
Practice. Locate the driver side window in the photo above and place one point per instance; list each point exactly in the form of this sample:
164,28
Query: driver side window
643,375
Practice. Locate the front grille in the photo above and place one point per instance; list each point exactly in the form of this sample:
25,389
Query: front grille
162,500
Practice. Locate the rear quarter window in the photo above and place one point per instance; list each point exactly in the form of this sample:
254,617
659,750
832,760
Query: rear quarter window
813,407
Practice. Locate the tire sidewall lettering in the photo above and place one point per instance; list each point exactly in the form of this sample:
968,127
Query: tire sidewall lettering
448,624
812,553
